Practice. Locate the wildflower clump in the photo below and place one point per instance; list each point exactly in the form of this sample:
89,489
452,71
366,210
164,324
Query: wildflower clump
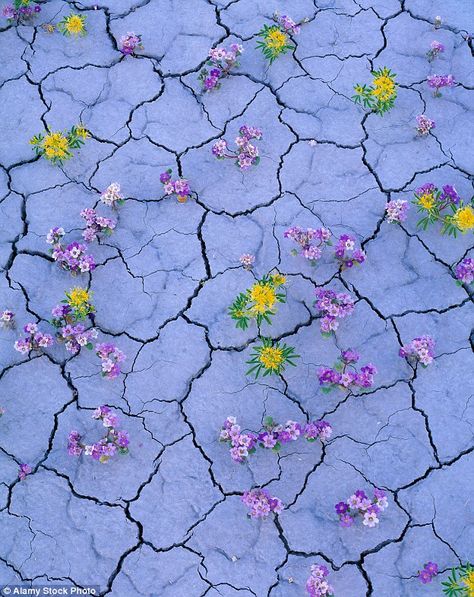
20,10
380,96
360,505
129,43
430,570
419,349
347,253
311,241
332,306
274,41
317,584
57,146
7,319
260,503
96,225
179,187
465,271
246,154
271,437
444,206
218,66
437,82
73,25
259,301
424,125
397,211
436,48
34,340
72,257
68,318
112,196
271,358
114,442
110,357
344,375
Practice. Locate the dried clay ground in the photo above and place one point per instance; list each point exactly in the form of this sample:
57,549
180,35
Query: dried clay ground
167,520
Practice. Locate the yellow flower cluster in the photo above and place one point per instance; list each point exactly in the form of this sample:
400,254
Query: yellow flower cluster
73,24
271,358
427,201
384,87
263,294
464,218
56,146
276,39
78,297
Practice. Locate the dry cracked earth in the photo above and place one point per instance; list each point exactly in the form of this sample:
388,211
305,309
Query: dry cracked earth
167,520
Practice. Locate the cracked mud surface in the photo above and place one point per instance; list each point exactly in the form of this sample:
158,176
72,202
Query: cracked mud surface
167,519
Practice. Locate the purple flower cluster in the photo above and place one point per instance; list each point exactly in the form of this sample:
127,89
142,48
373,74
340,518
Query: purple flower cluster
112,196
21,12
76,337
219,63
333,306
465,270
111,358
35,340
424,125
247,261
397,210
24,469
260,503
287,24
317,585
360,504
345,376
129,43
115,441
304,238
430,569
447,196
419,349
271,437
73,257
437,82
7,319
96,225
436,48
179,187
347,253
247,154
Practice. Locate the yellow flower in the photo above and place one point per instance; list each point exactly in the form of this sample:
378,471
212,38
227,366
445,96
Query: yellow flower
427,201
78,297
276,39
182,198
82,132
271,358
464,218
263,296
384,88
278,279
56,145
74,24
468,581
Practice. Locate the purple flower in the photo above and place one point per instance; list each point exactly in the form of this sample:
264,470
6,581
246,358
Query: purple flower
346,520
260,503
419,349
341,508
425,577
465,270
397,210
437,82
25,469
